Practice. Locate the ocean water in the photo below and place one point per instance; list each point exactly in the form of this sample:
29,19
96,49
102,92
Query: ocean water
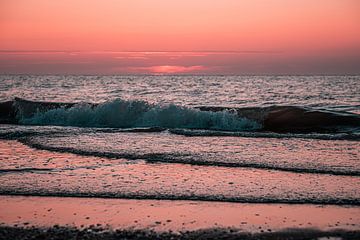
334,92
288,139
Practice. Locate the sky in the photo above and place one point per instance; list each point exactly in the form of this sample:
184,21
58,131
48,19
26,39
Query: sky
180,36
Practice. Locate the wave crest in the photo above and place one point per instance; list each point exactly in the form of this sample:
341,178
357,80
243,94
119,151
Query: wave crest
128,114
134,114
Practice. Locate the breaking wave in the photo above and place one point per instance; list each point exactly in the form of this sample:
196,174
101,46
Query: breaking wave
141,114
130,114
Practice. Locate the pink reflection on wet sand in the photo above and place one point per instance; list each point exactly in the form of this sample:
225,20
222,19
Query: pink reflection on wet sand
172,215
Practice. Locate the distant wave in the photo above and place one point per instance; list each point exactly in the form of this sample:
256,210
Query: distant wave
134,114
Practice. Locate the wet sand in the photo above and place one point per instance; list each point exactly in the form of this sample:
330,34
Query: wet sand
166,215
22,217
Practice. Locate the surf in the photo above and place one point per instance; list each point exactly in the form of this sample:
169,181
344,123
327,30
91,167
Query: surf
120,113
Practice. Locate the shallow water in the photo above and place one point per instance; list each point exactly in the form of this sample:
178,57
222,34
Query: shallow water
296,155
33,172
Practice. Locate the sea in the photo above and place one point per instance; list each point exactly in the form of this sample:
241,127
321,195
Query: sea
250,139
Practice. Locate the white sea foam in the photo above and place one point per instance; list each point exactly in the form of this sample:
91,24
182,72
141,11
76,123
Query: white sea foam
126,114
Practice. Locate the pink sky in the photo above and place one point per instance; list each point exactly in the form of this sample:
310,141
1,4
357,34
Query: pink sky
179,36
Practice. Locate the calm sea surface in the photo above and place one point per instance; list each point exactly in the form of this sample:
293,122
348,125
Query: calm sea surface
336,92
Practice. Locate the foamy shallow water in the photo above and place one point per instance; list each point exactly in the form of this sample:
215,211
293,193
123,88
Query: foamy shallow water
297,155
70,175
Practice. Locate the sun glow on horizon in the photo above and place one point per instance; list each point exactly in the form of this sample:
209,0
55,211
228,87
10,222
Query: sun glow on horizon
160,36
166,69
